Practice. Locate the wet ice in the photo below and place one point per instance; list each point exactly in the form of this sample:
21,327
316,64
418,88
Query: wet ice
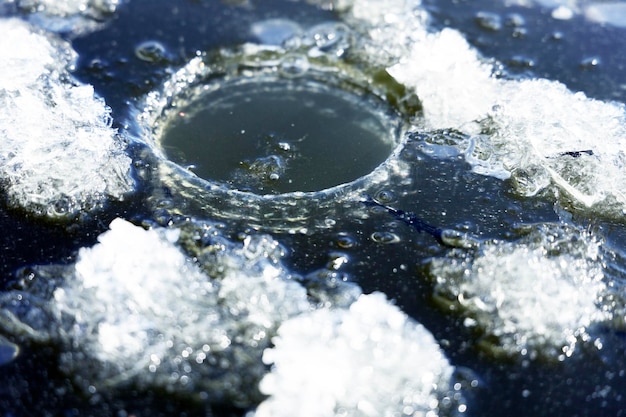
59,153
536,296
366,360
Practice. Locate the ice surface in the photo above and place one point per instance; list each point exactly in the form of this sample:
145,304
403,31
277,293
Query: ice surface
135,310
58,152
366,360
536,296
535,131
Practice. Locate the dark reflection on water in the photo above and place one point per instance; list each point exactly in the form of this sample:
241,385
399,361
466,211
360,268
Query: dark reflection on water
278,136
383,254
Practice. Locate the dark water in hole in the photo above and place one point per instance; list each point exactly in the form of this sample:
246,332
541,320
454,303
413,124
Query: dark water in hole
444,193
272,137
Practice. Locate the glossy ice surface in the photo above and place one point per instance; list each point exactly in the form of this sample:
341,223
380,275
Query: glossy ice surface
473,266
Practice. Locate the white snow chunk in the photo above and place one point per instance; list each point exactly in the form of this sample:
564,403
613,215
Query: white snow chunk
58,152
367,360
533,297
136,311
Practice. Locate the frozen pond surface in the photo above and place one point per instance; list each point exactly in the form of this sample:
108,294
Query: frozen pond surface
479,270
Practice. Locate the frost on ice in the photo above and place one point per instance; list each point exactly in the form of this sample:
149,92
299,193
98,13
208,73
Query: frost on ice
533,297
134,310
58,152
366,360
534,131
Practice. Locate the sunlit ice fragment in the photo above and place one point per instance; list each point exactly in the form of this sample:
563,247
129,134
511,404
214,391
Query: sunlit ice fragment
144,315
59,154
534,297
368,360
452,81
531,130
541,129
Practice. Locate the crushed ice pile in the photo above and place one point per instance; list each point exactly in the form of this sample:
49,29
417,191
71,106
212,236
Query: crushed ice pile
134,310
58,152
367,360
533,297
536,132
139,311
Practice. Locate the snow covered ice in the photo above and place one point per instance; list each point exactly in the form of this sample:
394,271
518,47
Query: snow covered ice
58,152
184,311
365,360
139,312
533,297
536,131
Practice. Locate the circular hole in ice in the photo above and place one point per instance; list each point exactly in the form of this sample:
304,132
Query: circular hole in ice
276,135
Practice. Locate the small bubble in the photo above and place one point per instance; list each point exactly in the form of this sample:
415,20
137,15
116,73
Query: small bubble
521,61
515,20
294,65
557,35
589,63
330,39
151,51
345,241
488,21
385,196
562,13
385,237
519,32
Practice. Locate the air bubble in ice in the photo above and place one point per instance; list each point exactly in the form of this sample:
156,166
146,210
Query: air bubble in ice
151,51
294,65
385,237
589,63
489,21
331,39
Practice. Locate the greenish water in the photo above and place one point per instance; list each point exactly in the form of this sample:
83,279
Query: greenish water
279,136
